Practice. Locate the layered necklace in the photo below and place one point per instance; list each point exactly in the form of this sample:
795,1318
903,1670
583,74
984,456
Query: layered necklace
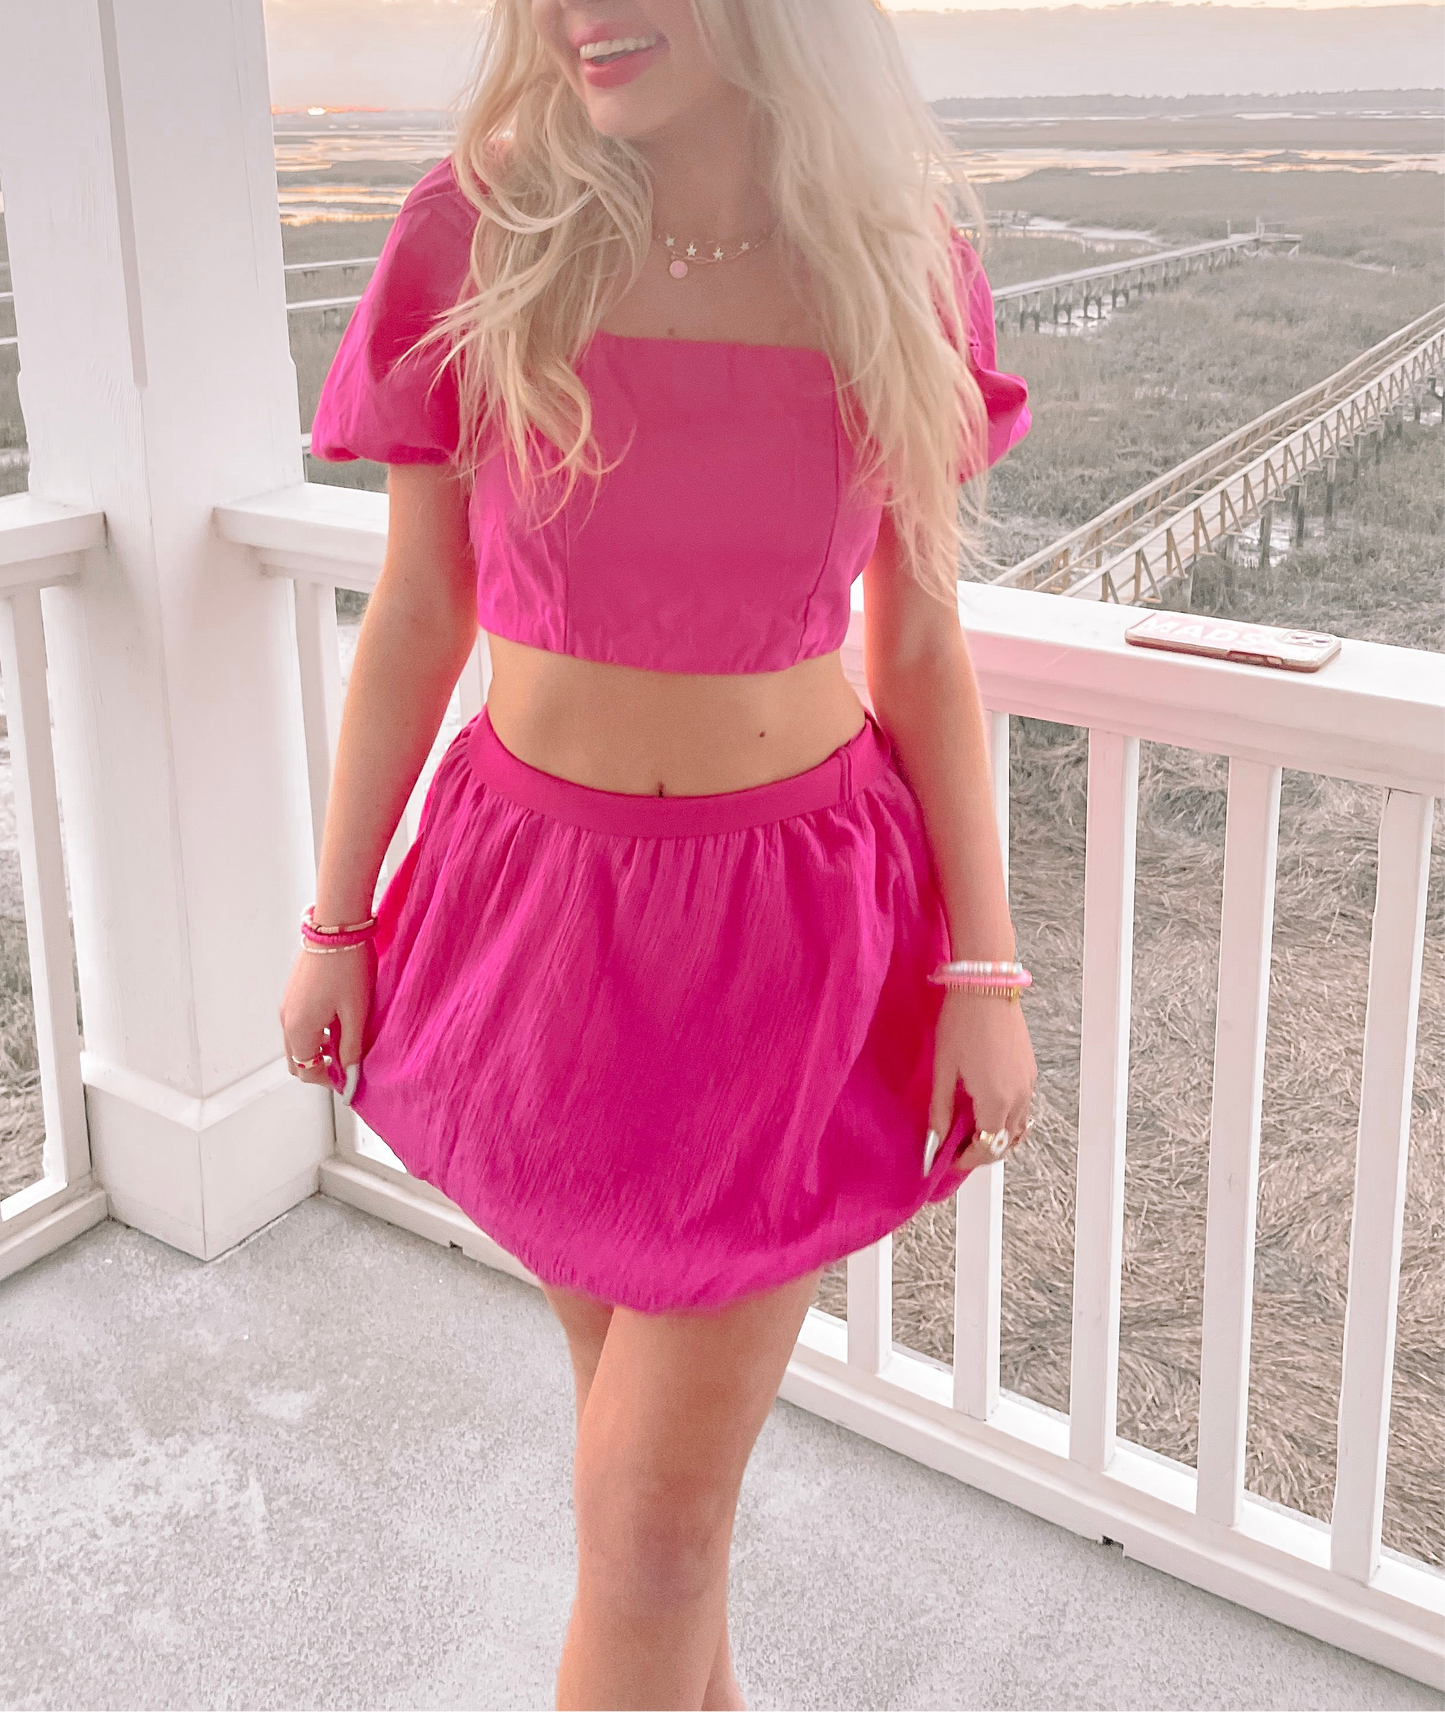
686,254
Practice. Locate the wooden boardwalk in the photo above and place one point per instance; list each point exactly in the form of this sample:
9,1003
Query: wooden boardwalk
1152,537
1087,291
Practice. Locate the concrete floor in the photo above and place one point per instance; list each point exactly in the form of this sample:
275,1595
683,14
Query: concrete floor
332,1468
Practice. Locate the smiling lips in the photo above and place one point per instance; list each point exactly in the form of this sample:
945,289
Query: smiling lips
617,59
619,45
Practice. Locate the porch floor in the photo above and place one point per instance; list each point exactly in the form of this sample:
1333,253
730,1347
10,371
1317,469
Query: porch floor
332,1468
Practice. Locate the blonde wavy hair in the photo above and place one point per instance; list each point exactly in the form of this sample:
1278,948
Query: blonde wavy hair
865,199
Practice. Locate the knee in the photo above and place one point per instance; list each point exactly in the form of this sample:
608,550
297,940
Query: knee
648,1537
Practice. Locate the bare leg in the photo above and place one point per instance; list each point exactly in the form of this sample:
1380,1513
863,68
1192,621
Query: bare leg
585,1322
669,1408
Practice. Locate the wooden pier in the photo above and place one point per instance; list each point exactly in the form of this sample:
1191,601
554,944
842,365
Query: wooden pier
1087,292
1153,537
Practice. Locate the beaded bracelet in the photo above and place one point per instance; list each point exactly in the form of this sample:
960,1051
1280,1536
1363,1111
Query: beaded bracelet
334,938
1004,980
982,981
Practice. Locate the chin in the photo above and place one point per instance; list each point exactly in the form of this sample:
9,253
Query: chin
627,125
631,115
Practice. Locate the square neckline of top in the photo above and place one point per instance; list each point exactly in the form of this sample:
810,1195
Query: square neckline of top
713,344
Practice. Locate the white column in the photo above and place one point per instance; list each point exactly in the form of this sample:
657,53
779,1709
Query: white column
140,203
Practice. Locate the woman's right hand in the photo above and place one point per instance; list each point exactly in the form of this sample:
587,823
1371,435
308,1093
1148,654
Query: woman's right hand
323,1012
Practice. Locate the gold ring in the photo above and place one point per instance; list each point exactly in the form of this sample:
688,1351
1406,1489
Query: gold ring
994,1142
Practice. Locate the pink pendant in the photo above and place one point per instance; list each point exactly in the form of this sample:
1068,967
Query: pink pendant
678,269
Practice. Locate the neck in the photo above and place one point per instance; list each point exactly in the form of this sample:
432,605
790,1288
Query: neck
705,182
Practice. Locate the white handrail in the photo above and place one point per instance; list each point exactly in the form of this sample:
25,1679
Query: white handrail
39,540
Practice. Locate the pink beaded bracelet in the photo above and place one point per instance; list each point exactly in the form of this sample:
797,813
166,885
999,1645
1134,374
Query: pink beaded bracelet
1006,979
335,938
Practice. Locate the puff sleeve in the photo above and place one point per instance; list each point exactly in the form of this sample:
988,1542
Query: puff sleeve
1005,396
380,399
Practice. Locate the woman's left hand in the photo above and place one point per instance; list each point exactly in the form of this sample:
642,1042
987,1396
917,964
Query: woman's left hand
982,1040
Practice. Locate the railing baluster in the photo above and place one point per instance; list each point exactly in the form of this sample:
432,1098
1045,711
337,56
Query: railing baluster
870,1306
978,1243
316,648
1251,841
1382,1151
475,678
1103,1093
66,1154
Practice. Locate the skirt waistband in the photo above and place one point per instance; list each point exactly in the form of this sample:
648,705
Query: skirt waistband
851,767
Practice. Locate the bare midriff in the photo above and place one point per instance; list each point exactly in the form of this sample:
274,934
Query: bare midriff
618,728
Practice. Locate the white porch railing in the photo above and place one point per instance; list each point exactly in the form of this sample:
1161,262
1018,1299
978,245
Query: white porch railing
1375,715
42,545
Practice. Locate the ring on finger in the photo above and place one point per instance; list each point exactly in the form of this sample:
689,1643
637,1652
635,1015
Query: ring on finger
308,1063
994,1142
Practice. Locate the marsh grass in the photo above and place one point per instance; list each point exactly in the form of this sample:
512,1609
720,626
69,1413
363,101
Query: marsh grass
1380,219
1011,259
334,240
1172,373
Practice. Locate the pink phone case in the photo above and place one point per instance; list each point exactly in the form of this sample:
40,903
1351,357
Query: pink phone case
1227,639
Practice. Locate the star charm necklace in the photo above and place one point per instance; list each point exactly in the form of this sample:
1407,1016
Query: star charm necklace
686,255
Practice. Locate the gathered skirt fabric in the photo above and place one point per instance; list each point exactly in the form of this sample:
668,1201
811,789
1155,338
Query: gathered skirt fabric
666,1051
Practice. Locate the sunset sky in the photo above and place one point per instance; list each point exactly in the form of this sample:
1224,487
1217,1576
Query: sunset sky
1034,5
412,53
993,5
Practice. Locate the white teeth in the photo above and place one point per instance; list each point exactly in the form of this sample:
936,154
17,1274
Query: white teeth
620,45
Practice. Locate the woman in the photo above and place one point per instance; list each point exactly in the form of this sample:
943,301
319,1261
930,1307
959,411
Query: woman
681,341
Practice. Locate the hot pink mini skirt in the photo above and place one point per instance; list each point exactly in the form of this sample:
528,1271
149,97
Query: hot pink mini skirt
667,1051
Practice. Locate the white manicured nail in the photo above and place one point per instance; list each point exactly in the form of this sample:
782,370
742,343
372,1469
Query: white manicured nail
931,1146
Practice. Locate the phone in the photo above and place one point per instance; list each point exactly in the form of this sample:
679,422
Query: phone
1224,639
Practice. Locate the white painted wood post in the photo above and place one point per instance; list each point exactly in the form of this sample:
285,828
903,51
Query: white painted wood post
42,880
140,191
1251,844
1382,1154
476,677
870,1305
1109,843
978,1241
318,655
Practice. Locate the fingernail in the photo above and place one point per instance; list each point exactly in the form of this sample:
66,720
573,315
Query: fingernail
353,1076
932,1142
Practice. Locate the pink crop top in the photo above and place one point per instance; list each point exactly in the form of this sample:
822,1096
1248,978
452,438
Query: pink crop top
725,541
